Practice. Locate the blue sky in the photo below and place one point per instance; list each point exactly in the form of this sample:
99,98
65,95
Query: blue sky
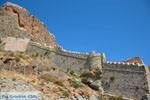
119,28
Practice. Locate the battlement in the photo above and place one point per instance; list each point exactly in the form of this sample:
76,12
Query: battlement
127,77
60,51
72,52
122,66
124,63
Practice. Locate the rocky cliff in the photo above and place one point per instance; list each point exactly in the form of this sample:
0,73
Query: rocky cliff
15,21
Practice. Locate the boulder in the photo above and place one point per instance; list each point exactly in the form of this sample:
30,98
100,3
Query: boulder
96,84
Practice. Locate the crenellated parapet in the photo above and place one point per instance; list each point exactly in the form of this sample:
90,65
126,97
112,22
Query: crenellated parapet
124,63
60,51
71,52
124,67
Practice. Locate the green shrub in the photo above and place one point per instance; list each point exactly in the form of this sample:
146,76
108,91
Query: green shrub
101,98
137,87
72,72
47,53
111,98
41,55
84,79
32,55
86,73
98,72
76,85
68,69
65,94
112,78
106,83
115,98
119,98
81,67
37,54
76,76
61,70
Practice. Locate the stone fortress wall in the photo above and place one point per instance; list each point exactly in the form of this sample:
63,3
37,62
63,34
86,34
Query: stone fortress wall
130,80
125,79
64,59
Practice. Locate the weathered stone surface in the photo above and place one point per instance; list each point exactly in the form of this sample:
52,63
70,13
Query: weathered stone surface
76,80
96,84
13,44
55,76
15,21
94,61
146,97
9,85
93,97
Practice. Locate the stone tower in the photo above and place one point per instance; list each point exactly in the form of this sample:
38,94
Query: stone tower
95,61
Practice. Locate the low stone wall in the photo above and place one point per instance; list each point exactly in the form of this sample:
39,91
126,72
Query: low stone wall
126,80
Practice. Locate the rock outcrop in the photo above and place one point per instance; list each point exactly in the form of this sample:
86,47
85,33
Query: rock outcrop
15,21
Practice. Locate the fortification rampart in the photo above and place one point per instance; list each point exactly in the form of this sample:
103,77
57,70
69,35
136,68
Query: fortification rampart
125,79
66,59
124,66
71,52
58,56
41,49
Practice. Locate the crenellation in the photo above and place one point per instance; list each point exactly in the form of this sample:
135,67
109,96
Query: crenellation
124,63
133,64
114,62
119,63
72,52
128,63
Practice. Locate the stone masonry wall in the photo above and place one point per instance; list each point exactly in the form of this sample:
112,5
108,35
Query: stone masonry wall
66,60
124,79
61,58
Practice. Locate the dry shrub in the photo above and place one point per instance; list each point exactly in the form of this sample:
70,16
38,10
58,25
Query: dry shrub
52,78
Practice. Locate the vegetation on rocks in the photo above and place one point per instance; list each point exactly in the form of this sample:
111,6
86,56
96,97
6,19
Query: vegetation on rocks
76,85
115,98
86,73
72,72
66,94
112,78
